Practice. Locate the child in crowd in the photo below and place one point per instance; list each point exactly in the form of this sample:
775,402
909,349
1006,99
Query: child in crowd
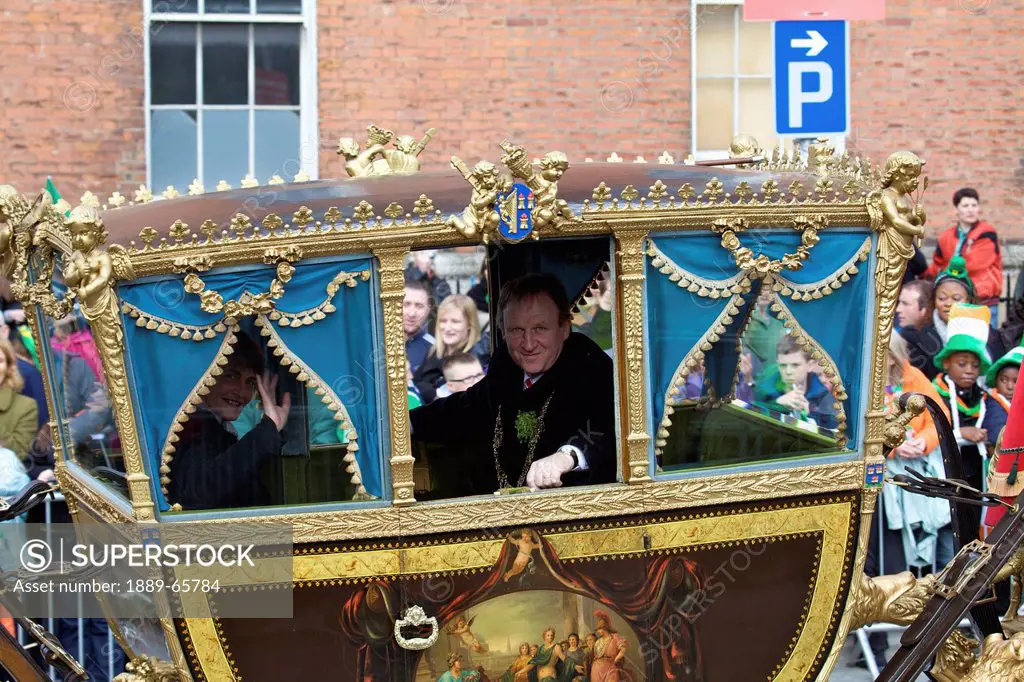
1001,380
963,361
461,372
953,286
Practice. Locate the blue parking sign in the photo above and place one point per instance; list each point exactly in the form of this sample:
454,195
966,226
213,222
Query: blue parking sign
812,77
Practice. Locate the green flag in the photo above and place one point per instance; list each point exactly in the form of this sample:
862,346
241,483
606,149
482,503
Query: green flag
54,194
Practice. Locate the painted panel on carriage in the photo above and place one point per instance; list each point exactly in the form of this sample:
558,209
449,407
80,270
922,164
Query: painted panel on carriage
318,339
746,368
678,609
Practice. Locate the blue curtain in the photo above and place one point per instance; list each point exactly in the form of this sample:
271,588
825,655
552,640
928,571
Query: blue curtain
677,318
165,369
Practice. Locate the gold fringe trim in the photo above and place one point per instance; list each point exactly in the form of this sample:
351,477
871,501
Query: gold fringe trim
737,284
690,362
322,310
162,325
193,401
819,355
823,287
309,378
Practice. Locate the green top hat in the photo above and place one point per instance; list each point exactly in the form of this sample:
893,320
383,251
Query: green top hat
1011,359
968,331
957,269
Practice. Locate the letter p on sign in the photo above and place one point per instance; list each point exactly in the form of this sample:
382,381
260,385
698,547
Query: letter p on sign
798,97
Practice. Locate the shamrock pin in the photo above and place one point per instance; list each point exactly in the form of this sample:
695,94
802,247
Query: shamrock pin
526,426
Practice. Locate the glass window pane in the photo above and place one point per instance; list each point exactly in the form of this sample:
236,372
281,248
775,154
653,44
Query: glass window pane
279,6
277,145
756,47
277,64
715,30
172,63
714,114
168,6
225,64
225,146
227,6
755,100
173,149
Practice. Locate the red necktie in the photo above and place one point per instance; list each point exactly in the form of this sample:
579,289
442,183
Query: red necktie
528,383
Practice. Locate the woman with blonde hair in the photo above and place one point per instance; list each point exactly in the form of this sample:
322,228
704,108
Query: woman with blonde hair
457,331
18,413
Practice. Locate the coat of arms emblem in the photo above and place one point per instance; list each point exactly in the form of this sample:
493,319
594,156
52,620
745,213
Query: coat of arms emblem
515,212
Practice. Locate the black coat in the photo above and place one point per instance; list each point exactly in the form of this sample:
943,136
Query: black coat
214,469
924,344
581,412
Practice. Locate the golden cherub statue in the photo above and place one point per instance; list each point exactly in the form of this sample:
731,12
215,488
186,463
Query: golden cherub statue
377,159
146,669
744,146
479,217
91,271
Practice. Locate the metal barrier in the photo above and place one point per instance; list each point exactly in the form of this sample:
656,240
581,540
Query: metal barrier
80,632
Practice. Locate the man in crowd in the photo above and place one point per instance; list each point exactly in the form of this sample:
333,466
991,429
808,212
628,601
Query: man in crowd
978,243
915,325
543,416
416,313
212,467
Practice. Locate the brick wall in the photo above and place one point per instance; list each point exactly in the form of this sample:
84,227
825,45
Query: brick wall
71,95
944,79
547,74
587,77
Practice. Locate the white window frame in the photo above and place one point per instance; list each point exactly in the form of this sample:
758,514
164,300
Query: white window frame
838,141
308,152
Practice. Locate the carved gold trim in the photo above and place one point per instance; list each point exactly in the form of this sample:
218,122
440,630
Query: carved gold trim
192,402
391,268
309,378
80,489
636,444
325,307
161,325
567,504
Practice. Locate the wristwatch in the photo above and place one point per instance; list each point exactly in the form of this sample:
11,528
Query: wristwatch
572,453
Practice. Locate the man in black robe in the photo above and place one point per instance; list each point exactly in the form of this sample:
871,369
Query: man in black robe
544,416
213,468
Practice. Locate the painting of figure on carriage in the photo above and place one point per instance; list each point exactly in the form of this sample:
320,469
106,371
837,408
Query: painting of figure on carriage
533,636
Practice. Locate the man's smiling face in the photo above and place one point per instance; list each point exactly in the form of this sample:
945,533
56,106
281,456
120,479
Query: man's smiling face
235,389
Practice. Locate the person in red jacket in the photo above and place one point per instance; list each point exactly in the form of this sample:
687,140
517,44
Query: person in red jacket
978,243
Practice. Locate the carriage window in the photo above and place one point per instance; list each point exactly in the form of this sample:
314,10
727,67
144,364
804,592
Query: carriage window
272,398
745,368
538,406
83,409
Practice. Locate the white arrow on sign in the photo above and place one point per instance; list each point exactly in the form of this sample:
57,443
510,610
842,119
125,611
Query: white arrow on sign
814,43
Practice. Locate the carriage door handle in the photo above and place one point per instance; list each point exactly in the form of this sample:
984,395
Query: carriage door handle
416,616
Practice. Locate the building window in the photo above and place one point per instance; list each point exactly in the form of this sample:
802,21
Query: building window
732,78
230,91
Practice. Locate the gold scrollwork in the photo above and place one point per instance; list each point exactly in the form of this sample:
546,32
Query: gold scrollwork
760,265
248,303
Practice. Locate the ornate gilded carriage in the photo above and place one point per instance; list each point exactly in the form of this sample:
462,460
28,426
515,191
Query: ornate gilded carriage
724,508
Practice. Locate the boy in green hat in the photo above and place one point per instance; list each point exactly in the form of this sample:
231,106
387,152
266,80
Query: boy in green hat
1001,380
963,360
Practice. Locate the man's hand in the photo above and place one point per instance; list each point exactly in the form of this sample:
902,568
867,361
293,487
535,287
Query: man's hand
974,434
99,401
47,476
278,413
547,472
794,400
912,448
